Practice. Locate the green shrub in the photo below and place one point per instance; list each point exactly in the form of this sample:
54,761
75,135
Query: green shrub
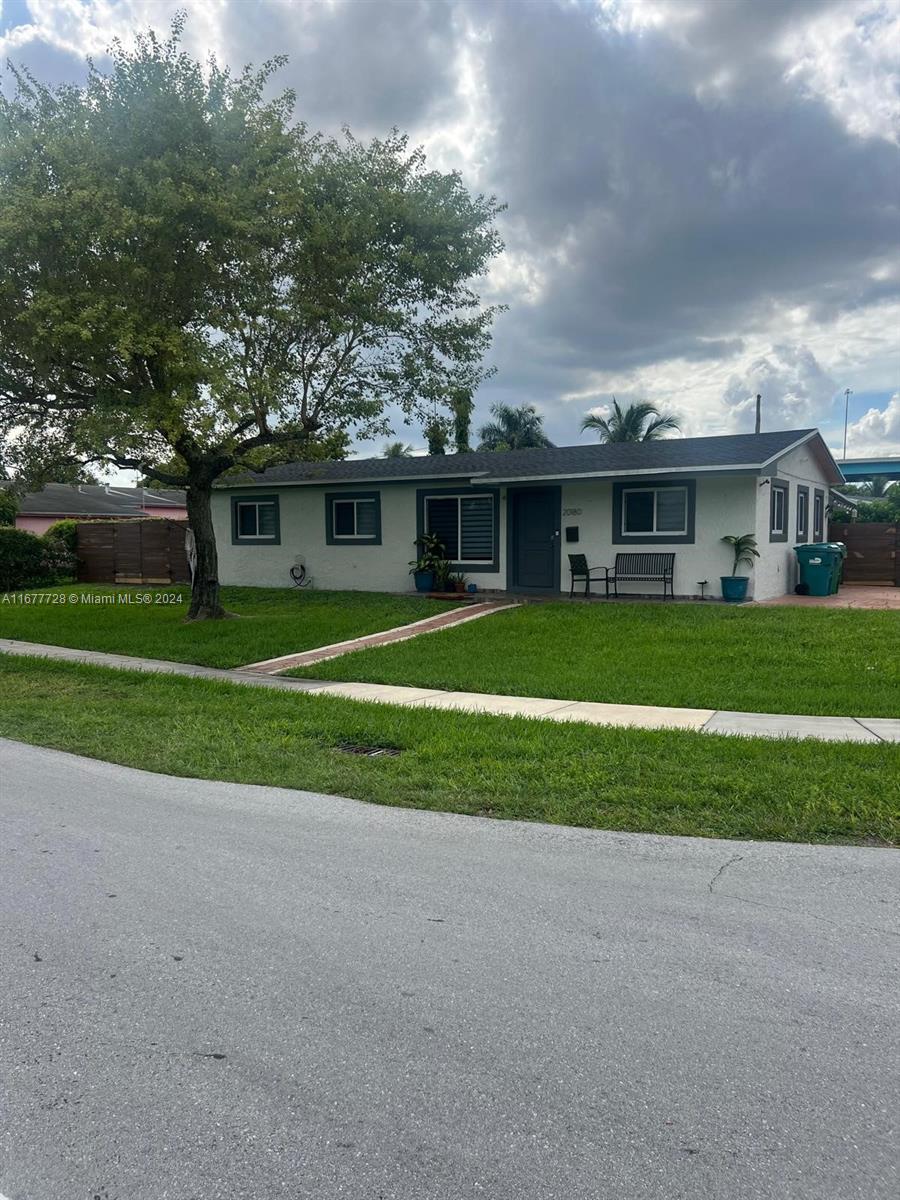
27,560
9,506
65,531
22,559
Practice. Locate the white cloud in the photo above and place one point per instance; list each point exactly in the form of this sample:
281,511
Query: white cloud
876,432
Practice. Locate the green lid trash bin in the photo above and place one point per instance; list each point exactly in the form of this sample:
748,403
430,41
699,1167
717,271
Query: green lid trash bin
819,567
840,549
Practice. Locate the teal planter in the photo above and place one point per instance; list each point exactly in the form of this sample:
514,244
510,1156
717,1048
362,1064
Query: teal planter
424,581
734,588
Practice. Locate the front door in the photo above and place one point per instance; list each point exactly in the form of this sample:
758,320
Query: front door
535,516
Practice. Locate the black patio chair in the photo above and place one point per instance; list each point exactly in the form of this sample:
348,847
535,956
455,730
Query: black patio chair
578,565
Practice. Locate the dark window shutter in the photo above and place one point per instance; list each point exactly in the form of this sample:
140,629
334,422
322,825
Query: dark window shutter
443,518
477,528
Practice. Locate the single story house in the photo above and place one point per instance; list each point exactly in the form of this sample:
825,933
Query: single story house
509,519
93,502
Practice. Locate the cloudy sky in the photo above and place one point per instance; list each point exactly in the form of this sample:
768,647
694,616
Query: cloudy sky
704,195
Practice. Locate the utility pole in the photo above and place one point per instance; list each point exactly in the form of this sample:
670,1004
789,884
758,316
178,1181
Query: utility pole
758,413
847,395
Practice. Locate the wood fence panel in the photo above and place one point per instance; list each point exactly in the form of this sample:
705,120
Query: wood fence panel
873,550
142,552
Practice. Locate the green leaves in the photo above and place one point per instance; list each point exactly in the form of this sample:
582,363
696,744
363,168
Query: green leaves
642,422
744,547
188,275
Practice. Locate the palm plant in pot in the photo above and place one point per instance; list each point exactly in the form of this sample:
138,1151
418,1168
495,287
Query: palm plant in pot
429,564
734,586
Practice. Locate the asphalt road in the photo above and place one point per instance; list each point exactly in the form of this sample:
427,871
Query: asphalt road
215,991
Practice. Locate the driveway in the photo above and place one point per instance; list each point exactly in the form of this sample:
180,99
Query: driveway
217,991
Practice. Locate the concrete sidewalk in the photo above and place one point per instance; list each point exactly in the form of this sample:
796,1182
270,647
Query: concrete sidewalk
642,716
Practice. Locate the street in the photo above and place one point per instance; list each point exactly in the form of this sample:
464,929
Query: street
217,992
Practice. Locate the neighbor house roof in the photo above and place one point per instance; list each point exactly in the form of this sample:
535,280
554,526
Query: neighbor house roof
736,452
96,500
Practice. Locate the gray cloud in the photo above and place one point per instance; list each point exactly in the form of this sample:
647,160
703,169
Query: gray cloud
673,190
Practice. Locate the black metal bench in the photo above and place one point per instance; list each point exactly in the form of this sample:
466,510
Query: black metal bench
642,568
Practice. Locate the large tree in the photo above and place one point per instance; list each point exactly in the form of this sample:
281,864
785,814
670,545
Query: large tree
641,422
520,428
188,276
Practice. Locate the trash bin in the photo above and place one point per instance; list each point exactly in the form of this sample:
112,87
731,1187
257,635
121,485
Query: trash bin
819,567
841,551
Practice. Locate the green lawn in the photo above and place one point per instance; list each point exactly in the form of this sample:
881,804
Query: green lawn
654,781
792,660
270,622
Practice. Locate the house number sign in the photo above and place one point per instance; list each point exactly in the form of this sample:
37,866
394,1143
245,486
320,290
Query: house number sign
571,512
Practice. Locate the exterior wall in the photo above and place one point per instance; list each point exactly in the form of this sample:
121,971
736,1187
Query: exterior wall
725,504
36,525
776,571
351,567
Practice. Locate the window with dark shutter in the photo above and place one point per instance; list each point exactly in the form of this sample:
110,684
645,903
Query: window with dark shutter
464,525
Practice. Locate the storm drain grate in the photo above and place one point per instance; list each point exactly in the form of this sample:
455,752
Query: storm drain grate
369,751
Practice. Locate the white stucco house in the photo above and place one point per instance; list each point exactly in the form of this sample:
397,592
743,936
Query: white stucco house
509,520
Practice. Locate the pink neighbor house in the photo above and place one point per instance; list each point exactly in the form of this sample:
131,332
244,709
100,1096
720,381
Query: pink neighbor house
57,501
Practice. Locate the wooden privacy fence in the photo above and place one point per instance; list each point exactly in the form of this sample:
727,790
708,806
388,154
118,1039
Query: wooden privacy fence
132,552
873,550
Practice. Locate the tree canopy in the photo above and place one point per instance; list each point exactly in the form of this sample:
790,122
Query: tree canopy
189,278
520,428
641,422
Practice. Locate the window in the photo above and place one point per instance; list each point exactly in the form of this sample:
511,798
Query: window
467,522
802,514
657,513
465,525
353,518
654,510
818,515
255,519
778,511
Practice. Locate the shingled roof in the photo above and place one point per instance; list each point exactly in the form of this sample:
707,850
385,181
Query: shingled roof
95,500
745,451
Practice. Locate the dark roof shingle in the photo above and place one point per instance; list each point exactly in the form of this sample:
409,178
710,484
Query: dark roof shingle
675,454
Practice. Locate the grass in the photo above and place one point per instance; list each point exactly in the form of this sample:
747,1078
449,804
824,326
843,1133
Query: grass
819,661
272,621
644,780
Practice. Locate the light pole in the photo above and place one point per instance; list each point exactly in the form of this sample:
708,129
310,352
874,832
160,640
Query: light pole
847,395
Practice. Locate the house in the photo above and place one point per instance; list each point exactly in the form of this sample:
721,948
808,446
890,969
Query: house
58,501
509,519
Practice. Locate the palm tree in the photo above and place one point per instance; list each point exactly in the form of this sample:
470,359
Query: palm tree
642,422
396,450
519,428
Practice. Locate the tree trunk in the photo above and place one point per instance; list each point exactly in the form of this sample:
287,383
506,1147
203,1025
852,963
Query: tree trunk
205,603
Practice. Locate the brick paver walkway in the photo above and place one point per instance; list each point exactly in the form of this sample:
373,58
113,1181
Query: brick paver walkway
402,633
851,595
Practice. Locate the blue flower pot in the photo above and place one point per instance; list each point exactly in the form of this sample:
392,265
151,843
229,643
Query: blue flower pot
424,581
734,588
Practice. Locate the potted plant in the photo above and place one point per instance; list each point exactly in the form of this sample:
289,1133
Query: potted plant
734,586
442,581
424,569
459,582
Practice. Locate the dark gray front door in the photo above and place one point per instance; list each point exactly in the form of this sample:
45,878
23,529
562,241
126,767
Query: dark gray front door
535,538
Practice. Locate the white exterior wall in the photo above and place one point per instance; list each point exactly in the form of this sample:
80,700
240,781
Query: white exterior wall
776,571
349,566
725,504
